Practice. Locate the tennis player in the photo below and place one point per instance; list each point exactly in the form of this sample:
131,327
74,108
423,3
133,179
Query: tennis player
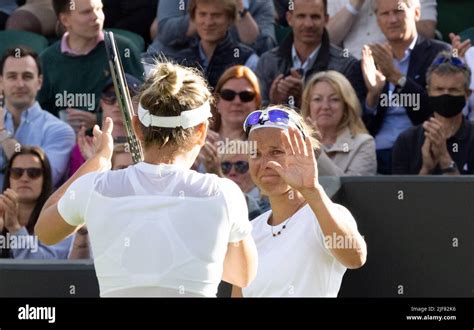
158,228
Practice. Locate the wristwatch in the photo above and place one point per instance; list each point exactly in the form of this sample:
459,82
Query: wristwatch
4,135
243,12
452,168
401,82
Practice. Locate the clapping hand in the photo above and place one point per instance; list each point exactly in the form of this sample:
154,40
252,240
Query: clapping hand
9,206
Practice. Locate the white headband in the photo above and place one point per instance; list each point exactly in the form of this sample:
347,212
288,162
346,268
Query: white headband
186,119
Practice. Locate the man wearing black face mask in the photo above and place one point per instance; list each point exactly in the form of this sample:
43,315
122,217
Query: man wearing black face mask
444,144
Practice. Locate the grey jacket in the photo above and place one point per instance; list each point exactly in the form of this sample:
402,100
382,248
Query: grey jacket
173,23
351,155
330,57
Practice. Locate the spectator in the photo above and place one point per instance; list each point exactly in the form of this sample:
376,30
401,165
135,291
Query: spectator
444,143
214,50
84,149
6,9
353,24
75,68
253,27
135,16
395,75
27,186
307,50
330,103
22,121
238,94
236,168
35,16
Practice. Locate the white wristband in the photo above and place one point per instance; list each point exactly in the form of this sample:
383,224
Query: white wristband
353,10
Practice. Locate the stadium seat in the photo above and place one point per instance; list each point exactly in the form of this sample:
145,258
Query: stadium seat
454,16
136,39
467,34
11,38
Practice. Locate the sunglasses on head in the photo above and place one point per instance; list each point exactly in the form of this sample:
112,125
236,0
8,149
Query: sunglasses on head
241,167
229,95
32,172
452,60
275,116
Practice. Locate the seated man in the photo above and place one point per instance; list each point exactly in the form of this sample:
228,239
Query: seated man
395,76
22,121
307,50
443,144
353,24
76,67
214,50
173,29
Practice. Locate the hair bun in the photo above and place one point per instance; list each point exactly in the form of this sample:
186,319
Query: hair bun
167,80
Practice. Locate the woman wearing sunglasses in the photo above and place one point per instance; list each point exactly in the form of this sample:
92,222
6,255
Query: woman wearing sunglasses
331,105
238,94
26,188
158,228
236,168
297,254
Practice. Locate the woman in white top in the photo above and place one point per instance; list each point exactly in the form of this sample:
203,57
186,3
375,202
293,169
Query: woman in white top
158,228
305,242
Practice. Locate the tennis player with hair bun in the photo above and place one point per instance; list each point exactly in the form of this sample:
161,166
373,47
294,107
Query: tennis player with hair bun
297,254
158,228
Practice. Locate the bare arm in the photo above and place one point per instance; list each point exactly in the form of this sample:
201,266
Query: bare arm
246,26
240,263
51,228
340,24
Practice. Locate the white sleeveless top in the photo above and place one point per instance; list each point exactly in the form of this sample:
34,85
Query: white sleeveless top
157,230
297,262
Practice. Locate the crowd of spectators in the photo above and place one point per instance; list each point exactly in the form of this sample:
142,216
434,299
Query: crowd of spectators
386,95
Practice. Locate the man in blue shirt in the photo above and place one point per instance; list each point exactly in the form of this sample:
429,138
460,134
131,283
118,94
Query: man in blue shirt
395,76
22,121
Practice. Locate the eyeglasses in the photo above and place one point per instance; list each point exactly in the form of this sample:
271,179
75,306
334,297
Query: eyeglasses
452,60
229,95
241,167
110,97
275,116
32,172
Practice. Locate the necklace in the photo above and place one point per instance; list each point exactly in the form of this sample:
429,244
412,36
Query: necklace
286,222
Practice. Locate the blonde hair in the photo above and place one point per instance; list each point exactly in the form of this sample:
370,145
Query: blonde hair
169,90
352,110
230,7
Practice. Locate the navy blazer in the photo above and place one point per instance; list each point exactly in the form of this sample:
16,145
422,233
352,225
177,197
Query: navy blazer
421,58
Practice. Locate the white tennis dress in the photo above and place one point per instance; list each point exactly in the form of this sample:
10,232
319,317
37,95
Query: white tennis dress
157,230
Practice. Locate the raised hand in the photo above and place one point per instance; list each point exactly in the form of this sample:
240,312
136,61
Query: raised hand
300,170
374,79
9,203
460,47
103,140
86,144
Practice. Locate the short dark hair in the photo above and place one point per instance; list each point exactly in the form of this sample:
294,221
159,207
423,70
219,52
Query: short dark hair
19,52
62,6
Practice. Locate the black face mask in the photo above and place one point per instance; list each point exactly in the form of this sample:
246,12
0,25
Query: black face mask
447,105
